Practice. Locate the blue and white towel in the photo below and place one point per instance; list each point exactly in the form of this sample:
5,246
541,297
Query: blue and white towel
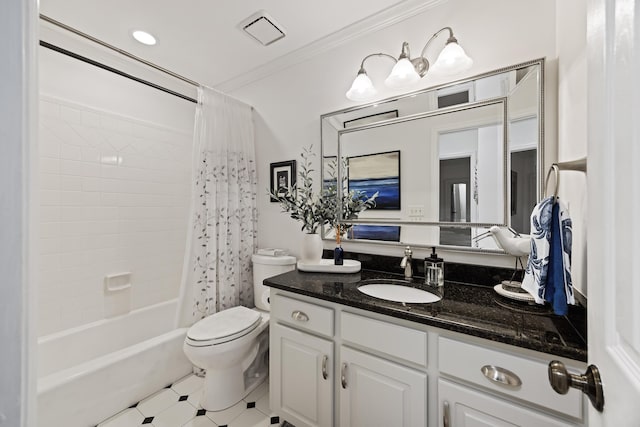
548,274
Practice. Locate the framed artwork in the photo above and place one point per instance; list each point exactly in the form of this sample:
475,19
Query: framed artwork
385,233
361,121
283,176
377,172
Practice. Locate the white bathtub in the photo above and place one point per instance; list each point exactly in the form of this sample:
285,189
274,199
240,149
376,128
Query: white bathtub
89,373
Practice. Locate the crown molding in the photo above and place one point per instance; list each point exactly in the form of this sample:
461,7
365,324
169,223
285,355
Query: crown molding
373,23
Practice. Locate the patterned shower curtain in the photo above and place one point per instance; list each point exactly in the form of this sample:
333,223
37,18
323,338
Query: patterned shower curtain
217,270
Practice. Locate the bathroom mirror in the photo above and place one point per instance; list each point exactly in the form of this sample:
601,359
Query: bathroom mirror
447,162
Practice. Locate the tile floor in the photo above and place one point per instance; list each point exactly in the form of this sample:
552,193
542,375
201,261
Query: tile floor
178,406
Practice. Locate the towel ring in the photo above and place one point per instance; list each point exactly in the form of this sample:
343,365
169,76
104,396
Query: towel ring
554,168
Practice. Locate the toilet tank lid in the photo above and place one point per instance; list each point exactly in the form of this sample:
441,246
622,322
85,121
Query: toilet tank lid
273,260
224,323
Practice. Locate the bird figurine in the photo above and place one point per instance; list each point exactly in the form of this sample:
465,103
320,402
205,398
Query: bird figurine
513,244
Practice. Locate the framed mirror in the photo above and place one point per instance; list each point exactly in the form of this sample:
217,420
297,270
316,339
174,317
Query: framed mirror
447,162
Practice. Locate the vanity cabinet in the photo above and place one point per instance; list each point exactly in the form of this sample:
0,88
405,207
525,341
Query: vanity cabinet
378,392
334,365
369,389
301,376
301,360
462,406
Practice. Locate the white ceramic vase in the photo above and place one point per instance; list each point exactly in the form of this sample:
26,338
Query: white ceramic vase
311,249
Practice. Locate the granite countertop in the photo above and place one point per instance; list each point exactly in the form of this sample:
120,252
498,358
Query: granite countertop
468,309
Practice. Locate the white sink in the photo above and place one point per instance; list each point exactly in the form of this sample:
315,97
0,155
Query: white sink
398,293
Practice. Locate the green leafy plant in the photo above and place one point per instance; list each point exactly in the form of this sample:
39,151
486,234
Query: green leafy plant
353,201
316,209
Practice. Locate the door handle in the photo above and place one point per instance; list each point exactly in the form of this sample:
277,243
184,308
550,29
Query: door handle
300,316
501,376
589,383
445,414
325,359
343,375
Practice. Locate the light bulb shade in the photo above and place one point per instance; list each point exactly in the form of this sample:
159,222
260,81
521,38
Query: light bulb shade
402,74
452,60
362,88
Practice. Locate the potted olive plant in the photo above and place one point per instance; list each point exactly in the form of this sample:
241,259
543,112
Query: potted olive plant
316,209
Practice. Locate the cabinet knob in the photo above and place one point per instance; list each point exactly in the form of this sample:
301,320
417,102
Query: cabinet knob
343,375
589,383
501,376
325,373
299,316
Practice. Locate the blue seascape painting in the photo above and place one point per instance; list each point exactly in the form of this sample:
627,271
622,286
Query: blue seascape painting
387,233
377,172
388,191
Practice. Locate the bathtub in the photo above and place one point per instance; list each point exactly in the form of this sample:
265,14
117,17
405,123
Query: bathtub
89,373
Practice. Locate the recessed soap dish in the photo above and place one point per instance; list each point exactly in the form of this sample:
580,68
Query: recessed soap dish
117,282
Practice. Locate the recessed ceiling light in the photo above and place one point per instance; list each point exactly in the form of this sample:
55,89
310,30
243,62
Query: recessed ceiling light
144,37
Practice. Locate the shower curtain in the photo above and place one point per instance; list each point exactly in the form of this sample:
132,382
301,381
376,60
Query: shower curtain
217,272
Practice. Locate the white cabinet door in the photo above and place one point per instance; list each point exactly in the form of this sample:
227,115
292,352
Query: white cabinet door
376,392
463,407
301,384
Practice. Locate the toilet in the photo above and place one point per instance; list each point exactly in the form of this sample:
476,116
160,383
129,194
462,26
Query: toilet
232,345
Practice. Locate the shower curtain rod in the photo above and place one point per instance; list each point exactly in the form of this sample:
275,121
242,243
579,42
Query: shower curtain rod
120,51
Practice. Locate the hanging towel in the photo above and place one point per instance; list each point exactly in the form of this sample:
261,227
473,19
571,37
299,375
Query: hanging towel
548,273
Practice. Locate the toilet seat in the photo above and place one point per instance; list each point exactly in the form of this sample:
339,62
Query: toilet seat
224,326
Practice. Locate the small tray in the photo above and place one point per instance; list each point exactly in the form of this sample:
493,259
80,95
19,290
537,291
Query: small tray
327,266
518,296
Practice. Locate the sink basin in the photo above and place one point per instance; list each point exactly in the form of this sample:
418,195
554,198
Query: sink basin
398,293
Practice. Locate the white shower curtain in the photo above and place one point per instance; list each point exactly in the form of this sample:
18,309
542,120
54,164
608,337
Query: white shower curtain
217,270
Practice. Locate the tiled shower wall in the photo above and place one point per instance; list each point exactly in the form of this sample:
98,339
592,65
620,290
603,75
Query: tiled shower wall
114,198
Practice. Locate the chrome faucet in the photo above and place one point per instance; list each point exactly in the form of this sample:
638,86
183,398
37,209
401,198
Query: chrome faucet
406,263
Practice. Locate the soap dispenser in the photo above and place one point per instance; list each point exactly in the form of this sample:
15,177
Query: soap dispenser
434,270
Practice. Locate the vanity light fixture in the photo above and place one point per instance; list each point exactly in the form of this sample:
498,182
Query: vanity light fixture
451,60
144,37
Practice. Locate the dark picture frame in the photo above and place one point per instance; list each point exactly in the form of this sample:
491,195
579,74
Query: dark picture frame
282,177
372,118
377,172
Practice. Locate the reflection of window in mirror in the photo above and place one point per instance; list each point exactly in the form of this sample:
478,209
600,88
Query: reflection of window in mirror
455,95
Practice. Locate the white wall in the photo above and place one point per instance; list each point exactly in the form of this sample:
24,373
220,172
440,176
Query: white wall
115,168
495,33
572,125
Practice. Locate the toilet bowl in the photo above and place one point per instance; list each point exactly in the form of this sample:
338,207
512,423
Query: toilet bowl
232,345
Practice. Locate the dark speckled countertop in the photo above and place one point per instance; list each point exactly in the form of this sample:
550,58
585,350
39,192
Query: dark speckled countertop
469,309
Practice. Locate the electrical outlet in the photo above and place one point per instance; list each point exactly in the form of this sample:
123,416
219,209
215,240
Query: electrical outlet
416,212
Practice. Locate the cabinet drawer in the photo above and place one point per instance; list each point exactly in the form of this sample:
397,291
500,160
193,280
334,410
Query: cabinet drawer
464,407
303,315
397,341
466,362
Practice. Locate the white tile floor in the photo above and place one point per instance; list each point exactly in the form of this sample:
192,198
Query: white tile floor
178,406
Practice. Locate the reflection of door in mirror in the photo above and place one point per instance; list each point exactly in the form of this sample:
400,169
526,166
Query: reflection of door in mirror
455,203
523,189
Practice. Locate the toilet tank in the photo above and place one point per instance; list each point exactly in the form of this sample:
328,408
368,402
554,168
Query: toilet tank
265,266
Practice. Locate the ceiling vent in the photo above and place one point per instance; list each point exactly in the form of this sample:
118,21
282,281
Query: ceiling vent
263,28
